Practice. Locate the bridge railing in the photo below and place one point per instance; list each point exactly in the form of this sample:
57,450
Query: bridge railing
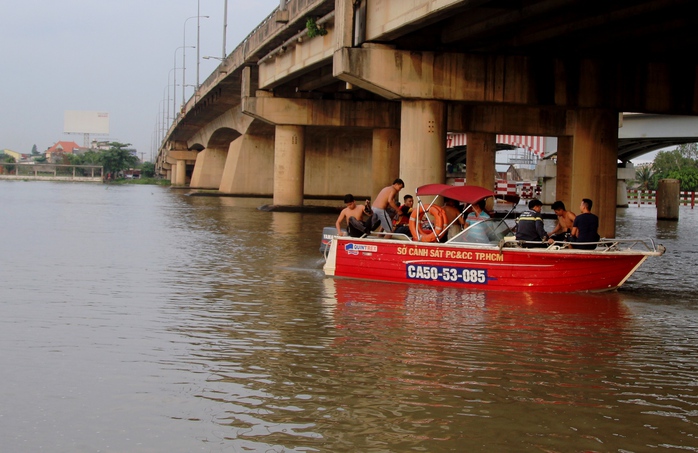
259,38
649,197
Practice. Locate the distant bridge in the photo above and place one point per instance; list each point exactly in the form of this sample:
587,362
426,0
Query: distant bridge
639,134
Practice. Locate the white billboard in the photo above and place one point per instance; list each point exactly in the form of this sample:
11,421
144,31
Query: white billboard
85,122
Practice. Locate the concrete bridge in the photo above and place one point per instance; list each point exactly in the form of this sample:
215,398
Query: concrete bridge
371,92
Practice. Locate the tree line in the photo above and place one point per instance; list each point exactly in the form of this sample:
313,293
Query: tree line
114,160
680,163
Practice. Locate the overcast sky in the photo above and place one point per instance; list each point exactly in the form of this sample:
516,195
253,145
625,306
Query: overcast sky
113,56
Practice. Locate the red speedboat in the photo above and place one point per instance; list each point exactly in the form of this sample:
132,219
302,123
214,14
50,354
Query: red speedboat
484,256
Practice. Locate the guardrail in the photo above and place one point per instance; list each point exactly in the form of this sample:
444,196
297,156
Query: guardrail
51,172
649,197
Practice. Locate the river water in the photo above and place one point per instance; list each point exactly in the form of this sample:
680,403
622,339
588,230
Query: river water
140,319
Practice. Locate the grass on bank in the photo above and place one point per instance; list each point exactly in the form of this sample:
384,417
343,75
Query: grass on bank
151,181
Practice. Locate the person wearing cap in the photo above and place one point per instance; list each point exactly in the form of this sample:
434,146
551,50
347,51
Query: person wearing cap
529,226
354,215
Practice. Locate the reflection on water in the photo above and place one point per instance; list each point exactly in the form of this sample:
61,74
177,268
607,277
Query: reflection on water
148,320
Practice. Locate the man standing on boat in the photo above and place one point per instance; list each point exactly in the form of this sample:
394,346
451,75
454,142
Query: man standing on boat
384,201
529,225
354,216
585,227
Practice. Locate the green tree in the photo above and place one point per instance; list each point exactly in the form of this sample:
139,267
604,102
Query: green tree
644,177
35,152
680,163
9,169
89,157
118,158
148,169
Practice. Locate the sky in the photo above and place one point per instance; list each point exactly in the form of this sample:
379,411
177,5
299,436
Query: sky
112,56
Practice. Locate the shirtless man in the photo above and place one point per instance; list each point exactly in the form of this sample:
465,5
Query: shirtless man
565,220
354,216
386,197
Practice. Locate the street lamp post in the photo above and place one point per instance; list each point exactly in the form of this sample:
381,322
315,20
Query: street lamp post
167,89
184,60
198,32
174,88
225,24
160,125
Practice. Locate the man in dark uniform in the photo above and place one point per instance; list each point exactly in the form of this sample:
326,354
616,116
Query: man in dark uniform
529,225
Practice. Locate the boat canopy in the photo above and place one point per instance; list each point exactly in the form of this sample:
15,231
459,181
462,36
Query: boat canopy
464,194
432,189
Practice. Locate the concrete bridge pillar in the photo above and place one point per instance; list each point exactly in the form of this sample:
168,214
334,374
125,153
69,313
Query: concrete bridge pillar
180,173
480,159
289,165
592,152
626,172
422,143
208,169
385,158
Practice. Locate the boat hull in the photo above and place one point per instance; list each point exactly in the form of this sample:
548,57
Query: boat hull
481,268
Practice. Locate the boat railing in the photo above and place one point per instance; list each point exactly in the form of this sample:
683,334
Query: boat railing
389,235
604,245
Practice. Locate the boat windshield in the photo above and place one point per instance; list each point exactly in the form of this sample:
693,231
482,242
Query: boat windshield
486,231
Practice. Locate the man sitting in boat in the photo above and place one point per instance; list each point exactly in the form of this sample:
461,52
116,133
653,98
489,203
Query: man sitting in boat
565,219
585,227
354,215
529,226
402,225
477,233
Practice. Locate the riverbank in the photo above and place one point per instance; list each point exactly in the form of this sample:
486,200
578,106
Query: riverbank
141,181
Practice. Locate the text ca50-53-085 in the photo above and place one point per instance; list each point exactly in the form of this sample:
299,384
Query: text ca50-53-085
446,274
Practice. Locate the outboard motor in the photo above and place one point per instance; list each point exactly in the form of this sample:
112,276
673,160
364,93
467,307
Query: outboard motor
327,234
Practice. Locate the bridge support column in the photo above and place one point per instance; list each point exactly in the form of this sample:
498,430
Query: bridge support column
180,173
208,169
593,155
289,165
385,158
480,159
172,174
422,143
626,172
